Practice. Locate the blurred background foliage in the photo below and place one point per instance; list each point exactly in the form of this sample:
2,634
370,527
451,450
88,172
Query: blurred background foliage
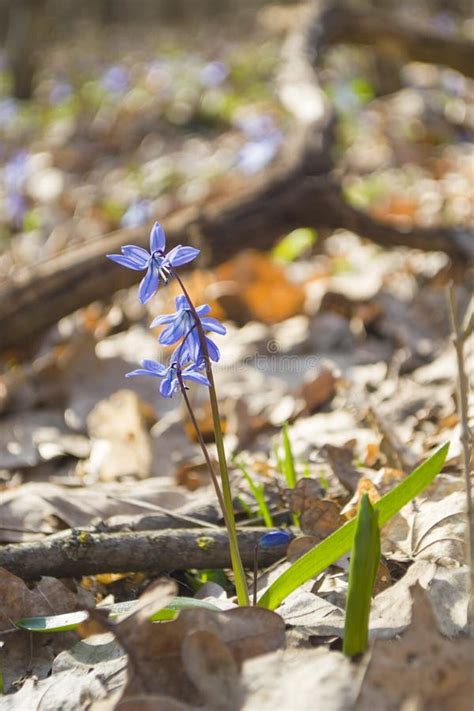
114,112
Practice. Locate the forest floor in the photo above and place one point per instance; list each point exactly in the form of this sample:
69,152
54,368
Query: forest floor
349,344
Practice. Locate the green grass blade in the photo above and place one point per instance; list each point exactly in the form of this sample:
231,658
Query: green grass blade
289,461
340,542
259,496
181,603
365,560
53,623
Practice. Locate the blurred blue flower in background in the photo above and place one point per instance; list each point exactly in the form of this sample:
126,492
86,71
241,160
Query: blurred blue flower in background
115,79
60,91
137,214
213,74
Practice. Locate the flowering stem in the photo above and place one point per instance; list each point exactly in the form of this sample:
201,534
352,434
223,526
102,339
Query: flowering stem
226,503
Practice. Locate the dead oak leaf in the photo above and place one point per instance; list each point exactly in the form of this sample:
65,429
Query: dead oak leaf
436,671
318,517
24,654
161,656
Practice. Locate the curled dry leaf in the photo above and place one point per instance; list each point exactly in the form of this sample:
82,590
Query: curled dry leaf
161,656
22,654
318,387
434,530
318,517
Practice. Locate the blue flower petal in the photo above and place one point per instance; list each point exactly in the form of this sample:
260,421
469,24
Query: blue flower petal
169,385
181,255
149,284
203,310
275,538
196,376
138,371
161,320
214,353
155,368
138,254
176,330
157,238
124,261
212,324
181,302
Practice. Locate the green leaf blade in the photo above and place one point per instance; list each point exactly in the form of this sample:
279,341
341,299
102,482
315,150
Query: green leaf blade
338,543
53,623
364,564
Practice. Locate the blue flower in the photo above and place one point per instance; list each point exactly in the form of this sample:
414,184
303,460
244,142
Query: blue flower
170,382
181,323
275,538
156,262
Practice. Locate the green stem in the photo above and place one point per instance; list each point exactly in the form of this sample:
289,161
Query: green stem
228,506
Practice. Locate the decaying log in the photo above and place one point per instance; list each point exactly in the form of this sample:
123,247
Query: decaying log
83,553
303,191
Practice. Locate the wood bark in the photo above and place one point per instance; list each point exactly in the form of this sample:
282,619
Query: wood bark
303,191
79,553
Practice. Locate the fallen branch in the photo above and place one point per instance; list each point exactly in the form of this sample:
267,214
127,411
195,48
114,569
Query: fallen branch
81,553
304,191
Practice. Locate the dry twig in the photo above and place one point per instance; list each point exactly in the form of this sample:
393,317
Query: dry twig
76,553
461,331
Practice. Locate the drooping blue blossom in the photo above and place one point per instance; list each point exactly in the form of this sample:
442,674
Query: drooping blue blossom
158,265
271,539
169,375
181,322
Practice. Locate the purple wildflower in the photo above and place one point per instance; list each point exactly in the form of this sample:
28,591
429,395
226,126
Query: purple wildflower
156,262
170,382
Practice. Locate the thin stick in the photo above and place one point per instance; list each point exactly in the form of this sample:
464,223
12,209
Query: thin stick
459,337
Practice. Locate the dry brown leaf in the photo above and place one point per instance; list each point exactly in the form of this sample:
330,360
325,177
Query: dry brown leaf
253,274
156,662
436,671
212,668
340,460
318,517
318,387
23,654
299,546
433,530
364,486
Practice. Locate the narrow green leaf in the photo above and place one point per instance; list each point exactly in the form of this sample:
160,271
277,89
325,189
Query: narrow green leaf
53,623
289,461
294,244
365,558
340,542
259,496
181,603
